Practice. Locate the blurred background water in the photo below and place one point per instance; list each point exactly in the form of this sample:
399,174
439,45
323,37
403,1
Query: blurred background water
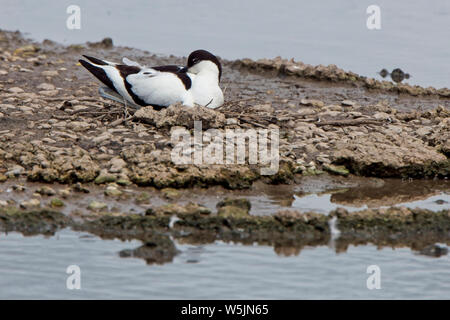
35,268
414,34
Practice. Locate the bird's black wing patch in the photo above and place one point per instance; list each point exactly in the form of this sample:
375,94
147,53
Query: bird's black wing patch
125,71
185,79
95,60
99,73
168,68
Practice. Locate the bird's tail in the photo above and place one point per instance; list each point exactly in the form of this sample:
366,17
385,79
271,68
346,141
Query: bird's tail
97,68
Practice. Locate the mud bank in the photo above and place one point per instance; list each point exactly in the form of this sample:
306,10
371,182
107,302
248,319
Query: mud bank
287,231
284,67
55,127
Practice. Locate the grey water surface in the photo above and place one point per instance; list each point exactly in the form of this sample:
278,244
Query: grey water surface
35,268
413,36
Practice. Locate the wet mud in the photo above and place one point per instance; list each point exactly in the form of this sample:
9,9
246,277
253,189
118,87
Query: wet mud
68,158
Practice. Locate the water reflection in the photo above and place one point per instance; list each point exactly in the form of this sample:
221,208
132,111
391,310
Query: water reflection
397,75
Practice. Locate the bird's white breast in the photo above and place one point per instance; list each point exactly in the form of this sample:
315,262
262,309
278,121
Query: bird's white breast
206,91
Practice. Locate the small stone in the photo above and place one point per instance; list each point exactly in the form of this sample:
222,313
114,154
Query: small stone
55,202
235,202
143,198
101,138
231,121
105,178
15,171
78,187
3,178
97,206
113,191
49,73
49,93
46,191
263,108
312,102
26,50
382,116
25,109
123,182
79,107
78,126
337,170
30,204
348,103
18,188
46,86
170,193
65,193
424,131
15,90
3,203
117,165
232,211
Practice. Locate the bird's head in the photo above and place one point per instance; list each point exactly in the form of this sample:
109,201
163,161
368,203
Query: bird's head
204,62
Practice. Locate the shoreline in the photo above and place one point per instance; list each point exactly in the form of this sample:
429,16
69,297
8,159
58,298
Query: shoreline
366,140
55,129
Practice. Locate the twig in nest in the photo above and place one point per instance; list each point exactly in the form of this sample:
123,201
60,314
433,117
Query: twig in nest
121,120
252,122
353,122
209,103
73,98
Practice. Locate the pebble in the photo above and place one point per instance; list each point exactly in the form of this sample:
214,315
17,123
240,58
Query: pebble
78,126
25,109
97,206
46,86
348,103
424,131
105,177
49,73
15,90
78,187
143,198
312,102
46,191
49,93
55,202
15,171
117,164
112,191
382,116
30,204
101,138
79,107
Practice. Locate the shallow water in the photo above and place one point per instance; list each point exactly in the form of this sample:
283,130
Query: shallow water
35,268
320,194
413,35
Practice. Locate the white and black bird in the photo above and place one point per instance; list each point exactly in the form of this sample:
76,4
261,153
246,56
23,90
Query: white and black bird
196,83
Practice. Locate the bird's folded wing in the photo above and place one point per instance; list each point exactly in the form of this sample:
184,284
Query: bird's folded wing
129,62
107,93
